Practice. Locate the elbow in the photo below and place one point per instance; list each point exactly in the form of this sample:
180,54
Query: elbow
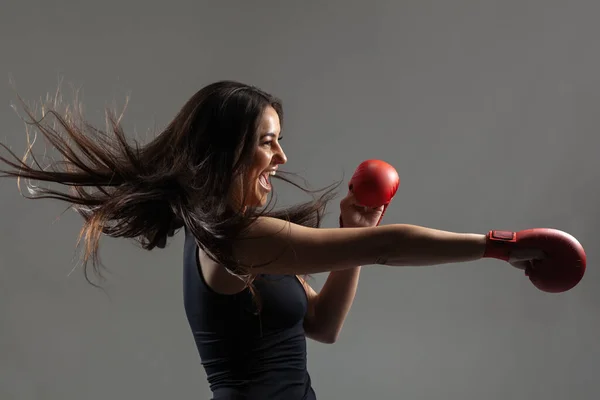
331,339
325,337
322,332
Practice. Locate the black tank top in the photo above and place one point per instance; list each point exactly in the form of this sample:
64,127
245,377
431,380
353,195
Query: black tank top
246,354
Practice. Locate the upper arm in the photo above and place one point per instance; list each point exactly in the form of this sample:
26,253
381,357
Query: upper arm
279,247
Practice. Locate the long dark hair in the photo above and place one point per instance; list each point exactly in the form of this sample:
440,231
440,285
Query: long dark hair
183,177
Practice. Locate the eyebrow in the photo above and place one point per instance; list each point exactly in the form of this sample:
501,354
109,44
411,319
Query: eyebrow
270,135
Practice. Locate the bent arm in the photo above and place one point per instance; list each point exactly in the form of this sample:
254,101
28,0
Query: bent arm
274,246
329,308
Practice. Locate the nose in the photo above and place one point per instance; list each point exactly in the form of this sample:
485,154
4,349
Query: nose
279,157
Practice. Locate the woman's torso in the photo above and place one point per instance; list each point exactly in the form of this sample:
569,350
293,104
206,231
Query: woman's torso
247,354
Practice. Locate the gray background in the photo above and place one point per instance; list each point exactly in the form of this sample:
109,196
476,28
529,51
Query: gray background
488,109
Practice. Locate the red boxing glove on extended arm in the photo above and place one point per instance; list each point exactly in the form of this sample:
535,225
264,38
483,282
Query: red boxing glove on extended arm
500,244
561,269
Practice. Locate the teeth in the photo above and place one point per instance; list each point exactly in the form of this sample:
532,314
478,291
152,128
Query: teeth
272,173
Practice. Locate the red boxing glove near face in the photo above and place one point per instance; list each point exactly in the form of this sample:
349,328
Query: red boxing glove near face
560,270
374,184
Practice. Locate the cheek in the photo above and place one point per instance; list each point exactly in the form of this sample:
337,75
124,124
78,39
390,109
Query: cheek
262,160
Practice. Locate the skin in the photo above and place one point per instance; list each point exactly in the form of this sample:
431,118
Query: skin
292,249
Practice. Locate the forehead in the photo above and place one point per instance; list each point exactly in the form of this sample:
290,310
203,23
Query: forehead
269,121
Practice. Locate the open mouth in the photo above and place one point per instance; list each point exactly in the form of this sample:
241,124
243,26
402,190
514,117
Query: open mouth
265,180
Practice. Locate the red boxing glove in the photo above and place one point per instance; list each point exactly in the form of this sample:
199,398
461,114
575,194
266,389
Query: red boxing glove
563,266
374,184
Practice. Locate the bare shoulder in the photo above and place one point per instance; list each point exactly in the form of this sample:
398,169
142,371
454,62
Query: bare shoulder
273,245
217,277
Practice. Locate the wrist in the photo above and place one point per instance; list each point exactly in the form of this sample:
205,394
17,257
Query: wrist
344,225
498,244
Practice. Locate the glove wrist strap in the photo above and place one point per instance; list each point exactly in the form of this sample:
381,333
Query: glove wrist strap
499,244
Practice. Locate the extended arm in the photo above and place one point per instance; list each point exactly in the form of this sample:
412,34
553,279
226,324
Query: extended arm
280,247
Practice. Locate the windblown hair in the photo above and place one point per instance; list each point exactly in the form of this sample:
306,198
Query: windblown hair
182,178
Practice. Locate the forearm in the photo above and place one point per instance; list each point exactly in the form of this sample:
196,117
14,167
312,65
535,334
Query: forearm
334,302
409,245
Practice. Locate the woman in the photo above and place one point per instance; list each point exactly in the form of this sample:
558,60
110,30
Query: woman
210,172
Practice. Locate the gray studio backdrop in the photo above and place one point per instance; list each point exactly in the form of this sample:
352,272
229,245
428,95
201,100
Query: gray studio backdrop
489,110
